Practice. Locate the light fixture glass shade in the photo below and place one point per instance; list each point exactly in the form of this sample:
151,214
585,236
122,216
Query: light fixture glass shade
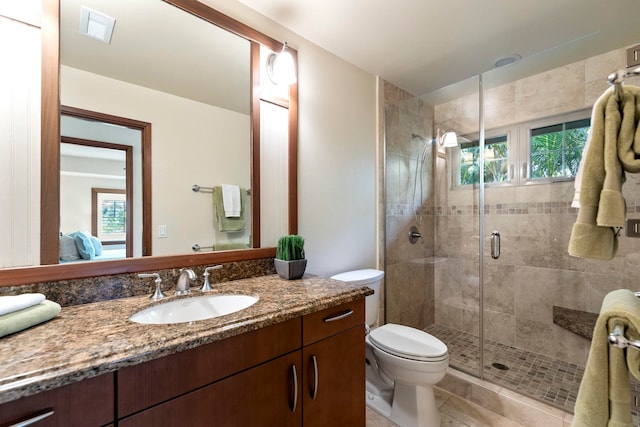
449,139
281,68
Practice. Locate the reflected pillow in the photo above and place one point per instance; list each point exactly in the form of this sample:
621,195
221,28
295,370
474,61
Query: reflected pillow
97,245
84,244
68,249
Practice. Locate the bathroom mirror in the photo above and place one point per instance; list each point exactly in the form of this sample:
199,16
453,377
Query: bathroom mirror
50,154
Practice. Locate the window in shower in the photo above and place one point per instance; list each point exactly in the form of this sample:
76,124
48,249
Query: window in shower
496,161
556,150
535,152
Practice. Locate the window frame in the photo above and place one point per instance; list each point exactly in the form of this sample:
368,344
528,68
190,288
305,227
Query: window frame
489,134
96,194
525,135
519,151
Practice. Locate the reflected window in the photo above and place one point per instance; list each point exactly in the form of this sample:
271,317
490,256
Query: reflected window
110,212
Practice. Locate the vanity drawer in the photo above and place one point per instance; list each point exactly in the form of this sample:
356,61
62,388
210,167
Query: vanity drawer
141,386
84,403
328,322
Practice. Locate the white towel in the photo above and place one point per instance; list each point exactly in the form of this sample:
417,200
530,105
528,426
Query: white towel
231,200
11,303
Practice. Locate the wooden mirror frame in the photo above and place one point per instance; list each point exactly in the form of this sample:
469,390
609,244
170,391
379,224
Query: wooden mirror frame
50,170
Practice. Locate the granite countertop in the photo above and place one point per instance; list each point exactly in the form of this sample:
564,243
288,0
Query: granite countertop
577,321
88,340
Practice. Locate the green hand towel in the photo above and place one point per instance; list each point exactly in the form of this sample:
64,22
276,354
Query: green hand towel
614,147
28,317
605,395
233,224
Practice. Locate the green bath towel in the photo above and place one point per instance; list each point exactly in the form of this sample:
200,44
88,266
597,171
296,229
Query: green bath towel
28,317
604,398
613,149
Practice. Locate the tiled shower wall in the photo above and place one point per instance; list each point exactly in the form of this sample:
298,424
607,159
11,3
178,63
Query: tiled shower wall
534,272
409,267
437,279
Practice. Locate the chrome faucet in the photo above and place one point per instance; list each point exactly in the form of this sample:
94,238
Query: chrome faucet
183,287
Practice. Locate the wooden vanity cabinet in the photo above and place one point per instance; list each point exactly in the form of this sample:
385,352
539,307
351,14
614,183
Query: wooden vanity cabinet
305,371
84,403
333,356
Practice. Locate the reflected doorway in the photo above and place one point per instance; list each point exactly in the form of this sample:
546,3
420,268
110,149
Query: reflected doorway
96,194
113,139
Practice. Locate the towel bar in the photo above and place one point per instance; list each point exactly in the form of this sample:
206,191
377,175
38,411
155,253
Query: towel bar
196,188
618,340
197,247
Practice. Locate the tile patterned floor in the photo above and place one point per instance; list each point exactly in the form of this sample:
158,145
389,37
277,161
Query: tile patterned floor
540,377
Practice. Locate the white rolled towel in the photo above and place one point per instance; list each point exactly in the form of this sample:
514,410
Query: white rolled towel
11,303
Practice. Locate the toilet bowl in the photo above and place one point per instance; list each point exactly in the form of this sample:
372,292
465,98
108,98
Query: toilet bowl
403,363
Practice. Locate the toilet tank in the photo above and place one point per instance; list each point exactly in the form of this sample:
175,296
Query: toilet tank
371,278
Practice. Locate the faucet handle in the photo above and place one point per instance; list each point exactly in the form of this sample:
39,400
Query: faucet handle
158,292
207,286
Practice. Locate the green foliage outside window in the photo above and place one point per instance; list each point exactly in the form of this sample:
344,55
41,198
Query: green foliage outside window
556,150
495,162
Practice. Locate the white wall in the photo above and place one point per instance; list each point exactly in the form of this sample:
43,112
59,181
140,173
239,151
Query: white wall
337,151
19,143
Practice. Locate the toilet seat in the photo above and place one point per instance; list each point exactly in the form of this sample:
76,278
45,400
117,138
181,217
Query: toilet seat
408,343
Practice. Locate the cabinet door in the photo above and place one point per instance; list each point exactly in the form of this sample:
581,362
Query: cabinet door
334,380
144,385
84,403
267,395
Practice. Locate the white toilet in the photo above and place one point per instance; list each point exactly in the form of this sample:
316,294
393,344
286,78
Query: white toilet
403,363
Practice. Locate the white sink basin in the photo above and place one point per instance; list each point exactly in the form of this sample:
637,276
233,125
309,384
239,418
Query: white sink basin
193,309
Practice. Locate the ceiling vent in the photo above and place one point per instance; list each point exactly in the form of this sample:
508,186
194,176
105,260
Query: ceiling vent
96,25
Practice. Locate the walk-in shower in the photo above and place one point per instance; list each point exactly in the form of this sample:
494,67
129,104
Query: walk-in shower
496,315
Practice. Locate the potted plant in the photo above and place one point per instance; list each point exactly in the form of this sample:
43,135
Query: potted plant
290,261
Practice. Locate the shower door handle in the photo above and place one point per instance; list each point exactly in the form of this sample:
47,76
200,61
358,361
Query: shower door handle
495,245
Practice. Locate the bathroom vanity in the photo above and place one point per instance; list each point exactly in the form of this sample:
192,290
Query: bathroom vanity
296,357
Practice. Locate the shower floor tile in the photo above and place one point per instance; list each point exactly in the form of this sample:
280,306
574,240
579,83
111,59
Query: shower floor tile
533,375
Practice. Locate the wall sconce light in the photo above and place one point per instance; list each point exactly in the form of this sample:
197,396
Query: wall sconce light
281,68
448,139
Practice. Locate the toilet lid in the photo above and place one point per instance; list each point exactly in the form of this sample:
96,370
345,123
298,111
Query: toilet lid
407,342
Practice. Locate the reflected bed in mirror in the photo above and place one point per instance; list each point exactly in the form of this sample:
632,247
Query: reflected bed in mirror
175,164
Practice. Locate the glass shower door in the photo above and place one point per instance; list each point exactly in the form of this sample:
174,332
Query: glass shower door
457,228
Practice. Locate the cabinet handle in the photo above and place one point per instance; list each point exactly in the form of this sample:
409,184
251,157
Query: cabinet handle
314,392
295,388
41,416
339,316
